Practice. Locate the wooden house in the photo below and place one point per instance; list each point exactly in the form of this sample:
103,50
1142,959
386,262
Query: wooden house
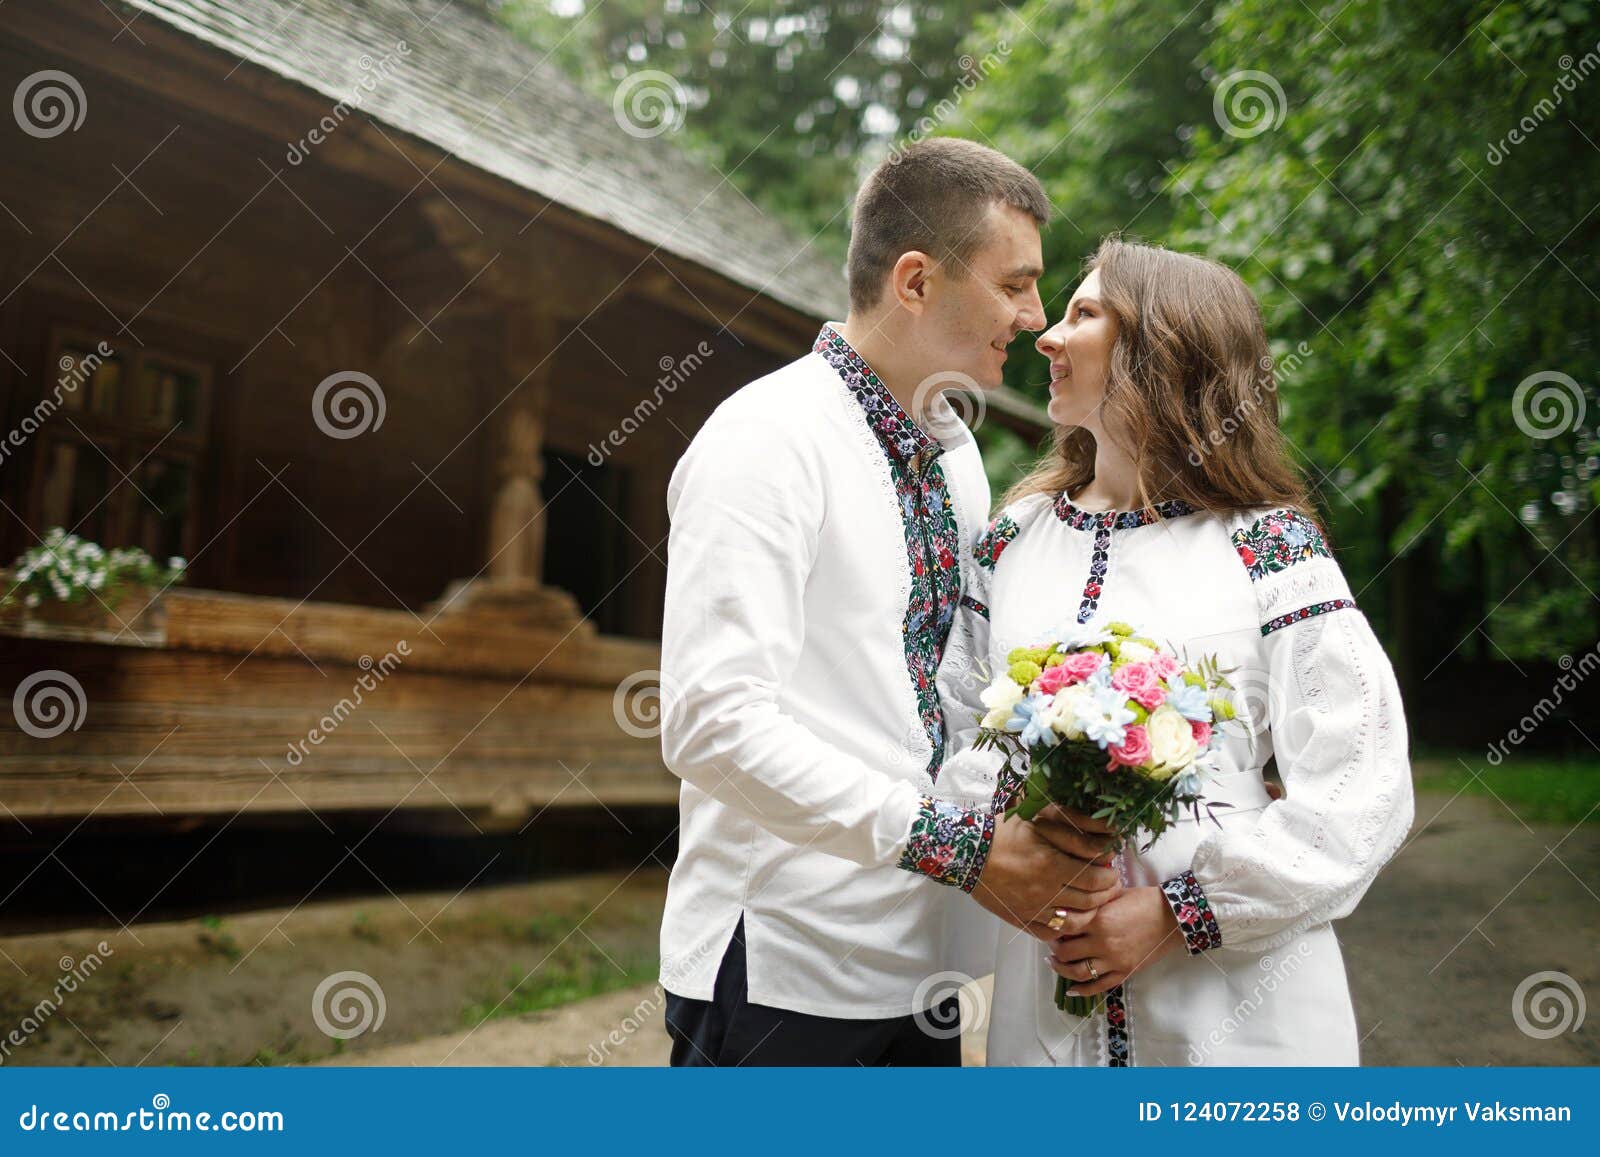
393,333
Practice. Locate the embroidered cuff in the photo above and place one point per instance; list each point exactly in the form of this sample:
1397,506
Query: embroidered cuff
948,843
1189,904
1006,789
974,604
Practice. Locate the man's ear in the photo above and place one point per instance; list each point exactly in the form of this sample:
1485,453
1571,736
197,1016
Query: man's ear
908,280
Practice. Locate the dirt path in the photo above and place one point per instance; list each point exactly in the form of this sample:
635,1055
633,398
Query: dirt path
1474,903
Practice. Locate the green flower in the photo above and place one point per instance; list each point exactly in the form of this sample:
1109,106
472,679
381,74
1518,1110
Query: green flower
1024,671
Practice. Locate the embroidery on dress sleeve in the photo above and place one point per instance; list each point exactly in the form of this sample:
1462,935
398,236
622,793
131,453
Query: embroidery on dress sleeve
973,604
949,843
1305,613
1277,541
1189,904
992,543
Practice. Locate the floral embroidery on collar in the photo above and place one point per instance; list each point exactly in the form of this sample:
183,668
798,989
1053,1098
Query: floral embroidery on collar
888,419
1277,541
933,538
1118,519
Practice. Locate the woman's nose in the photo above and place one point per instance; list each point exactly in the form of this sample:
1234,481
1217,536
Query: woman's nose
1049,342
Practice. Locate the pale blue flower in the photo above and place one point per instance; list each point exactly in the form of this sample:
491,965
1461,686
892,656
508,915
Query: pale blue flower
1027,718
1106,721
1189,701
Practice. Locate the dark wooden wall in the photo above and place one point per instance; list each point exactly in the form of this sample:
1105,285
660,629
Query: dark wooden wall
156,224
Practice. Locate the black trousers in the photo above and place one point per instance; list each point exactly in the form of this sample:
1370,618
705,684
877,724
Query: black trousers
728,1030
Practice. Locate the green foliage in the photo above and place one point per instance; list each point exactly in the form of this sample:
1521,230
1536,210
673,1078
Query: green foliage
1416,264
1539,789
788,99
1409,188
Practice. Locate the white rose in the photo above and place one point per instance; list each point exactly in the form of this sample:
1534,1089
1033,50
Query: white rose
1068,708
1000,697
1172,746
1135,652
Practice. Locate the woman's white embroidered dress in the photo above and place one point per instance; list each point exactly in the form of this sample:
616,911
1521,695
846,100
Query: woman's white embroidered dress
1262,982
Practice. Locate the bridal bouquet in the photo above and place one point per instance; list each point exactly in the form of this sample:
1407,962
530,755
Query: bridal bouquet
1111,726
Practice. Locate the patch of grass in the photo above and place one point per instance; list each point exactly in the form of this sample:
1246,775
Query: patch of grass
216,941
575,971
1540,789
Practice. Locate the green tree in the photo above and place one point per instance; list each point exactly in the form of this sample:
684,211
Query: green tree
787,98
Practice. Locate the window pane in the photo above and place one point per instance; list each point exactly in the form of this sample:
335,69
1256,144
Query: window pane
77,476
161,506
169,394
88,381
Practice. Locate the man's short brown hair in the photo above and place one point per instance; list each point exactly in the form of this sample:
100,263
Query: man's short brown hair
932,197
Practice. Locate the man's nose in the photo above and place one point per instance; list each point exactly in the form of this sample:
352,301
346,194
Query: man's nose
1033,315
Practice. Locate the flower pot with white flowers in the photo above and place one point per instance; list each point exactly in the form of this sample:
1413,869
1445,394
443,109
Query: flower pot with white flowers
69,587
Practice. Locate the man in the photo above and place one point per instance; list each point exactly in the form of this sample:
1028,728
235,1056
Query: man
818,519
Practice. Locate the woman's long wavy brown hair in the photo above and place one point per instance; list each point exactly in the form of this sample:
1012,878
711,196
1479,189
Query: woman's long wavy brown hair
1191,384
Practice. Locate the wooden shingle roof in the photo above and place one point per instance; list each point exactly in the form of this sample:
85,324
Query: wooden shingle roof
470,87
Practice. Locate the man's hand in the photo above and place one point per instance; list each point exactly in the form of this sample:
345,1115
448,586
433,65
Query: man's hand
1057,861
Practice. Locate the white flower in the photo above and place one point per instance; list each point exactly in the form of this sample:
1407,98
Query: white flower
1135,652
1000,697
1172,745
1069,708
1077,636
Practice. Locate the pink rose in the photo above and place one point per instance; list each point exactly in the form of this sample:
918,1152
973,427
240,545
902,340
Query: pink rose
1081,664
1134,749
1138,682
1202,733
1054,678
1075,668
1165,665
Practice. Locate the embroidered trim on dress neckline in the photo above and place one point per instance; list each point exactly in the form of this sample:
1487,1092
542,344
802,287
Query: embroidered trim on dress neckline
1080,519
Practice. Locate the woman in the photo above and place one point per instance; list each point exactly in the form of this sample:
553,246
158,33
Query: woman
1169,502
